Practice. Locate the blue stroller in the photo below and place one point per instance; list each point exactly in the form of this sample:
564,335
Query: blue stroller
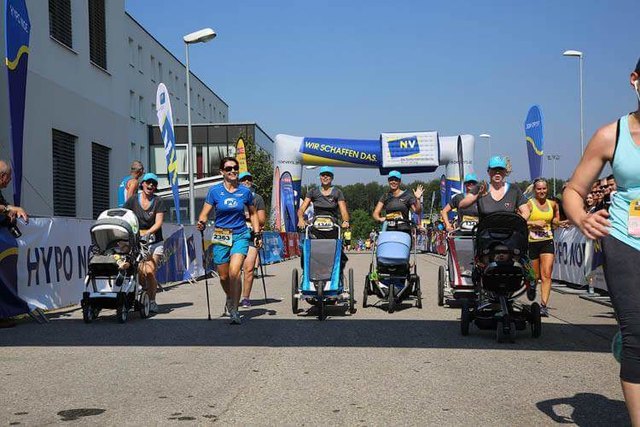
392,273
322,282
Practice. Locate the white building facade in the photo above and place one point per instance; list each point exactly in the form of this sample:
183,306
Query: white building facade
90,102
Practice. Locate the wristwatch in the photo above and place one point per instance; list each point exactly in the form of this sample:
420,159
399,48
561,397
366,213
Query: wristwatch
6,209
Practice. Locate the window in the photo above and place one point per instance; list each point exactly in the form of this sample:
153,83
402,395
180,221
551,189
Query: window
140,60
153,109
141,109
64,173
60,21
100,178
169,82
133,154
160,75
177,86
132,104
132,53
154,73
97,33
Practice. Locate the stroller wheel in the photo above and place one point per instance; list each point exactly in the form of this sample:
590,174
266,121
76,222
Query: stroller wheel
441,280
352,301
531,293
143,305
321,305
294,291
506,333
536,320
122,311
87,313
418,292
465,319
365,294
391,298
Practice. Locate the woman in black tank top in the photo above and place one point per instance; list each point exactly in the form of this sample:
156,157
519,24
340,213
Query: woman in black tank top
398,201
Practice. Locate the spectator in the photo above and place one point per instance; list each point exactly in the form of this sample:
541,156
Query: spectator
589,203
347,239
129,184
8,216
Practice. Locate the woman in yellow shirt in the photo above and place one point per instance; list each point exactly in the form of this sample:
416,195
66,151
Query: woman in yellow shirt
544,215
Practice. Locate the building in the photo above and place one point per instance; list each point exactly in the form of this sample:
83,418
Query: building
90,103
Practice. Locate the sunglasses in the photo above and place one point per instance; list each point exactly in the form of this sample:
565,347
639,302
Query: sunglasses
231,168
151,183
497,170
326,175
393,180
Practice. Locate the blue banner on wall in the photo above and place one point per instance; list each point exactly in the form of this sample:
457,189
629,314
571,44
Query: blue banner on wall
18,28
173,264
533,130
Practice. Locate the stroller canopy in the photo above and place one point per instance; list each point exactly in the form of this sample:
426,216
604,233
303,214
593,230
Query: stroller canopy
114,226
504,228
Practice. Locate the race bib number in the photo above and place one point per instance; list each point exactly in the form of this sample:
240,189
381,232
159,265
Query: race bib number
222,236
323,223
393,216
539,234
634,218
468,222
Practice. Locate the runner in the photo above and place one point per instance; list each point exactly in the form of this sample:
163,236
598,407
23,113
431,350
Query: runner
398,201
129,184
251,261
500,195
150,211
231,236
468,216
619,144
544,215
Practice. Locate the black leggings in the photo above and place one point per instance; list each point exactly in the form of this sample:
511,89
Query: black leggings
622,273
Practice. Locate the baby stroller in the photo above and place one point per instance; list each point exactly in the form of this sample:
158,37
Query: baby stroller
501,275
322,281
392,273
454,281
112,277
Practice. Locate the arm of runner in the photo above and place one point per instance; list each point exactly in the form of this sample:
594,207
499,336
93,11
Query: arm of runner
344,213
598,152
301,210
377,211
157,224
204,216
132,188
444,215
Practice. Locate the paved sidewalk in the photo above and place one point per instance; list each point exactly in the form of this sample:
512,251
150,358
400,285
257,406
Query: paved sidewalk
409,368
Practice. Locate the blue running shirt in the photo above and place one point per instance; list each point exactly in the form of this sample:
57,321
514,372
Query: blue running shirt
229,207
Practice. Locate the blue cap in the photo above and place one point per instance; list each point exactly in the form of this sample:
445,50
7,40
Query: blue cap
470,177
149,177
326,169
497,162
243,175
395,174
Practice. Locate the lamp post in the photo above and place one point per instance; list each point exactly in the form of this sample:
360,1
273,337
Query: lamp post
580,56
554,157
200,36
488,138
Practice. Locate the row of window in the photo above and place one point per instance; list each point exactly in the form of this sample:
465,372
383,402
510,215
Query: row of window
64,175
137,107
61,28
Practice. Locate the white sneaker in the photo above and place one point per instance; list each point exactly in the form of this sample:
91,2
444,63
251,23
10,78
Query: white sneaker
153,307
236,319
227,308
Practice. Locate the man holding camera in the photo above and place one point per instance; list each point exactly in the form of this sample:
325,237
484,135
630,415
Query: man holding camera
8,216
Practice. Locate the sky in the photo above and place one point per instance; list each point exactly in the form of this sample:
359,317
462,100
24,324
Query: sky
355,69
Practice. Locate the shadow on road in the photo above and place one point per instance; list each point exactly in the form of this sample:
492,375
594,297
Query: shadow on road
586,409
304,331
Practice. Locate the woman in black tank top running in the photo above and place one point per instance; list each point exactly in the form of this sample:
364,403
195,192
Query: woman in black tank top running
398,201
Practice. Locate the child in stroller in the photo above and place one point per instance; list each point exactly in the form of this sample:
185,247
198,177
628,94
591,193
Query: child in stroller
501,274
112,277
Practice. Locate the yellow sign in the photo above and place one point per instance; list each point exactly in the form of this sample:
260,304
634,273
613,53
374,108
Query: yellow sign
241,155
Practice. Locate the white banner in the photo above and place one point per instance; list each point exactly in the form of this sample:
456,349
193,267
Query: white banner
573,254
410,149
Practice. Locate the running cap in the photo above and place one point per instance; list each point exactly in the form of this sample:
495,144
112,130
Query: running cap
326,169
497,162
395,174
244,175
470,177
149,177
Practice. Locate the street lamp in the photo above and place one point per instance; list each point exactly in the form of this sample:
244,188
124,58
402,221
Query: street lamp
488,137
554,157
578,54
201,36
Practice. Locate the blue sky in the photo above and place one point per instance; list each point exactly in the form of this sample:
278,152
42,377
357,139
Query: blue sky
354,69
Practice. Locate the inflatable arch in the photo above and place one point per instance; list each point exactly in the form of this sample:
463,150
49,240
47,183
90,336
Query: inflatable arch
408,152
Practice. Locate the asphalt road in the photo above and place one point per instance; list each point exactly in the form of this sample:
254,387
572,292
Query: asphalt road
411,367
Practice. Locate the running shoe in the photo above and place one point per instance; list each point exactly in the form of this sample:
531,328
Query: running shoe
236,319
153,307
227,308
544,311
246,303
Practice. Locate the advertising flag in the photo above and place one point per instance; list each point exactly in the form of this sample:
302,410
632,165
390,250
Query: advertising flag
443,191
165,121
287,202
18,28
241,155
533,130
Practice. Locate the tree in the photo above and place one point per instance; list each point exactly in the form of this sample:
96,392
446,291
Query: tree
361,224
260,165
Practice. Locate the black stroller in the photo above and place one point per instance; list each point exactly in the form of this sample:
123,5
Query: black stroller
501,274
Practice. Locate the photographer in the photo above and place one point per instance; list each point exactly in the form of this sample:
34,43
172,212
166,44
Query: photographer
8,216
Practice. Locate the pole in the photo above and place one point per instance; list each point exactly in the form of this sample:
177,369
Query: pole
581,113
554,176
192,201
206,280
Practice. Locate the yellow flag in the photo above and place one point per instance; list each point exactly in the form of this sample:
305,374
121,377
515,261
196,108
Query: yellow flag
241,155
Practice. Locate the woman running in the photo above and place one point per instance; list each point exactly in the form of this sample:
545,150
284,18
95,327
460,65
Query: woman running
231,236
544,215
398,201
619,229
468,216
327,200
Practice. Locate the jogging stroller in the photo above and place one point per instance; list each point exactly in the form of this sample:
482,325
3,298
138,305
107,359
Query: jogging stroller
322,283
392,273
112,277
502,274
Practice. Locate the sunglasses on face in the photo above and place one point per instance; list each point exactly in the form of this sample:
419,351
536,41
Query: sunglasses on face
394,180
231,168
326,175
151,183
497,170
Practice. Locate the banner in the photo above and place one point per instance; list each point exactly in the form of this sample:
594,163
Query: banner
165,122
18,28
443,192
340,152
533,130
418,150
288,203
173,264
570,263
10,303
241,155
272,248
